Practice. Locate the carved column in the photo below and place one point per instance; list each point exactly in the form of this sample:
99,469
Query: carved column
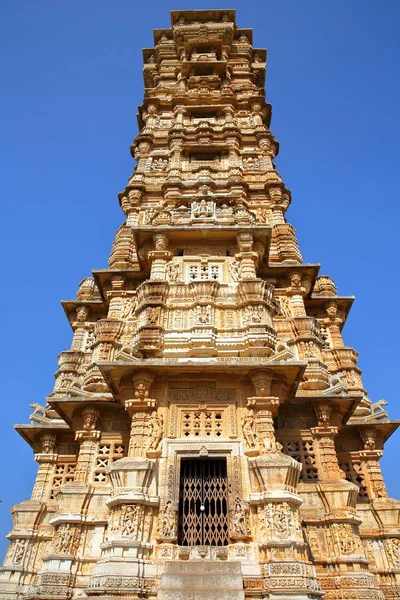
47,460
141,152
132,501
115,296
370,457
159,257
130,203
273,478
333,324
325,434
80,327
296,292
88,437
246,257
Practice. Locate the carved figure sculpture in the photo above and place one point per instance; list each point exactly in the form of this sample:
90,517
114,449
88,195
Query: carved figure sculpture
156,431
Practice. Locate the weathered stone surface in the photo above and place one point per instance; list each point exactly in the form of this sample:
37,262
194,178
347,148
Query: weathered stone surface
201,579
208,434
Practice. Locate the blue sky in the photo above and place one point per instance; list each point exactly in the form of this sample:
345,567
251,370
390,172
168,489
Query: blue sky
71,82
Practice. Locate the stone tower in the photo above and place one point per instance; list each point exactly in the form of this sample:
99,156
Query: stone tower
208,435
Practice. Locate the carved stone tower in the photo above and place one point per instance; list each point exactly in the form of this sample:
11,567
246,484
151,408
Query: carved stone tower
208,435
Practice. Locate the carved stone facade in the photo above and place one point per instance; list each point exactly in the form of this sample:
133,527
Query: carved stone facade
207,394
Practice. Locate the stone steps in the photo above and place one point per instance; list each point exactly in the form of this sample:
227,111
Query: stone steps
201,580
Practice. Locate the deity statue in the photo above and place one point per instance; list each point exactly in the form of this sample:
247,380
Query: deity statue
234,270
174,272
240,524
19,551
156,431
166,527
249,430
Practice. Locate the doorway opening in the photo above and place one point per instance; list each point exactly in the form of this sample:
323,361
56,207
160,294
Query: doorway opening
203,503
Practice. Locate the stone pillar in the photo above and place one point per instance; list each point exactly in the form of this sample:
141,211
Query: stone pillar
325,434
273,482
116,297
47,460
80,327
130,203
159,257
296,292
246,257
141,153
59,564
88,437
132,502
333,324
369,458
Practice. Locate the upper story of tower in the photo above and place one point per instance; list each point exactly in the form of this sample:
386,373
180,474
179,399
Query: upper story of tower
204,150
204,49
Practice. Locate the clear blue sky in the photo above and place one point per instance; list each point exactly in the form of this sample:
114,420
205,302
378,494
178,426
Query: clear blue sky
71,82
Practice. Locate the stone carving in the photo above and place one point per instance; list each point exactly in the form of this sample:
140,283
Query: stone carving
174,272
66,539
203,209
240,520
39,414
127,520
90,416
156,431
249,431
279,519
48,443
159,164
19,551
345,539
234,270
207,297
393,551
167,522
204,314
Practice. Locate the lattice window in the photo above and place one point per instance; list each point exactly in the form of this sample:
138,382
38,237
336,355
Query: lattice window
64,473
106,455
204,272
194,272
354,473
207,423
303,452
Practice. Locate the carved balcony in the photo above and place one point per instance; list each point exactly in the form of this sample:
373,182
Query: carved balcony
151,292
107,330
307,328
255,291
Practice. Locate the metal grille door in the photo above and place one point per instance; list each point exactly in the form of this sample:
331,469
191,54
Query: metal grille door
203,506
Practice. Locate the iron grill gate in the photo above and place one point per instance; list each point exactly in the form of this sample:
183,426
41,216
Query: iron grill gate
203,506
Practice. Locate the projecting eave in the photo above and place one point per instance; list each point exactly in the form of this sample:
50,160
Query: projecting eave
387,428
346,403
277,271
66,407
344,304
212,232
96,308
115,372
103,277
30,432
